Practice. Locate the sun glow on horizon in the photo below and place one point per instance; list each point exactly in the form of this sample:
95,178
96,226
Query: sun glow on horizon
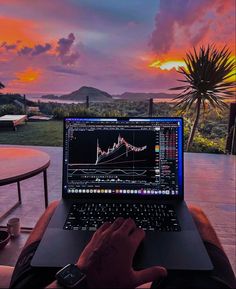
28,75
168,65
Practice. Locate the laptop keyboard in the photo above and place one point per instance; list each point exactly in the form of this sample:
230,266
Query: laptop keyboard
150,217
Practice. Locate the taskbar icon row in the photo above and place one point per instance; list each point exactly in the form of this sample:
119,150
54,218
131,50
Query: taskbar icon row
122,191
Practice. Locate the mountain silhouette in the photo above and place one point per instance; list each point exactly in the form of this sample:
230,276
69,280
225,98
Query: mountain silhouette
93,93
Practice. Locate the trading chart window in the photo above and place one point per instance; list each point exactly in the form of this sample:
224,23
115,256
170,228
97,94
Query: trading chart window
133,156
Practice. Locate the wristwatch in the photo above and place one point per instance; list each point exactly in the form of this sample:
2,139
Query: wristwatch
71,277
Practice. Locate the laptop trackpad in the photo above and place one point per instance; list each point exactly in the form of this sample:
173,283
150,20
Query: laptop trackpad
178,250
60,247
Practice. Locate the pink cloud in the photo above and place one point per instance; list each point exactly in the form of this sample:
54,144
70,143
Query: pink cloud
8,46
64,50
190,16
64,44
36,50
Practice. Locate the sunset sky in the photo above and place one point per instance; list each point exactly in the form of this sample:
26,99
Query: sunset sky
56,46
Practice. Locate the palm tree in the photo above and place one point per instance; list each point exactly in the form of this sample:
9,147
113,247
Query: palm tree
1,85
207,82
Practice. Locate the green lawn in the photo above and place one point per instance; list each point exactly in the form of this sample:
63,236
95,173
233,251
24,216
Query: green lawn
42,133
50,133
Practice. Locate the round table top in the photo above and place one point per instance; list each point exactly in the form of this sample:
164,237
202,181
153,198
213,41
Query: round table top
21,163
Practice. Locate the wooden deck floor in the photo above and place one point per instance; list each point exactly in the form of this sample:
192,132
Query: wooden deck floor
209,183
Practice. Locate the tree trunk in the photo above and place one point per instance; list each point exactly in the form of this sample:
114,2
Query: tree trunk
192,133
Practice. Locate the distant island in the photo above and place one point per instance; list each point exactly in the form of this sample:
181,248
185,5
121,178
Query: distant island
97,95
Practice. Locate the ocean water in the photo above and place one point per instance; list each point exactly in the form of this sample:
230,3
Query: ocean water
37,97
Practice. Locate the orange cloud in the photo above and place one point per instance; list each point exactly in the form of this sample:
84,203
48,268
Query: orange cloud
19,30
28,75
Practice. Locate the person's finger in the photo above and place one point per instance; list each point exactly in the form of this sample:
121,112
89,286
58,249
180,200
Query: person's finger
128,226
103,228
116,224
137,237
96,238
149,275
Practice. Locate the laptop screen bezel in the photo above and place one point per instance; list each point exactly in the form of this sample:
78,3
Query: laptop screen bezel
87,196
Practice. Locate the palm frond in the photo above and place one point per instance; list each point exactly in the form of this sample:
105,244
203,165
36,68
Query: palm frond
179,87
207,77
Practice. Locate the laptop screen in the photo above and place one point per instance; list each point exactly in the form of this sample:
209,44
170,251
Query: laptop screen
141,156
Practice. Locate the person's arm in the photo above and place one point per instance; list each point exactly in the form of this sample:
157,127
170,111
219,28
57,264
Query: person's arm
108,257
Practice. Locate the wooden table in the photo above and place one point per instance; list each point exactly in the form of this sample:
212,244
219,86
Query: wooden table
17,164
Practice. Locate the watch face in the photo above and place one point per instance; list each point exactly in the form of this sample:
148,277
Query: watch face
69,275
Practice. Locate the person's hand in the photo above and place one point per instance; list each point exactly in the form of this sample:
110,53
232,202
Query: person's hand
107,259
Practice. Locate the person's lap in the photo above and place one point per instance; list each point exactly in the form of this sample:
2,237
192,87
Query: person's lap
23,273
222,276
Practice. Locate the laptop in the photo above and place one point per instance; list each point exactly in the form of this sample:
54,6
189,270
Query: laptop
128,167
